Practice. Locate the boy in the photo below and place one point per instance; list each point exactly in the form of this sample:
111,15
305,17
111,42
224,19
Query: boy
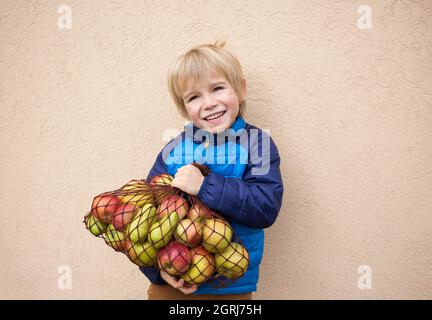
208,87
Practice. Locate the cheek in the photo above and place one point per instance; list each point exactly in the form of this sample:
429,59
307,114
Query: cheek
234,102
192,111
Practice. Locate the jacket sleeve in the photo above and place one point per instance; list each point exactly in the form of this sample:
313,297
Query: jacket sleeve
254,200
152,273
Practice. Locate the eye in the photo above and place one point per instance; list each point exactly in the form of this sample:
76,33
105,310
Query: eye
191,98
218,88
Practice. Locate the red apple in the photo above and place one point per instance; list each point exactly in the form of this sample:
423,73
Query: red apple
124,215
189,233
175,258
173,203
201,268
104,207
199,213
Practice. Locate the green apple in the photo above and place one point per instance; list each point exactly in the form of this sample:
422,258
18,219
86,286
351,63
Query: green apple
95,226
140,225
160,232
143,255
233,262
115,239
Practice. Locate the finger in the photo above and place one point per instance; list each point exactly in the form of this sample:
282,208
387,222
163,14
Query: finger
188,290
172,281
176,182
181,168
195,170
192,168
186,169
165,276
178,173
177,177
179,284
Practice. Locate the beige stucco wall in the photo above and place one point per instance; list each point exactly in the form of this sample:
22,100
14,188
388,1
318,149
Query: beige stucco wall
83,111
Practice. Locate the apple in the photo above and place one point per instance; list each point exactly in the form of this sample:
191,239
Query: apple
173,203
201,268
232,262
160,232
199,212
124,215
95,226
142,254
134,185
136,192
217,235
163,179
115,239
157,182
188,232
104,207
139,197
138,229
175,258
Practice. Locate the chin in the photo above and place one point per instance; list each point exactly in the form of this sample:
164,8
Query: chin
218,129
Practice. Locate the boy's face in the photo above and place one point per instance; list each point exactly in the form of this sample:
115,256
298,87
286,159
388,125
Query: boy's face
212,103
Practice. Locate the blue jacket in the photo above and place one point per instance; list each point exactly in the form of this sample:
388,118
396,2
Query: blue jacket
244,185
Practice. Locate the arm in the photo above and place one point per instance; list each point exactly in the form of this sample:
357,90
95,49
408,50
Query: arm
253,201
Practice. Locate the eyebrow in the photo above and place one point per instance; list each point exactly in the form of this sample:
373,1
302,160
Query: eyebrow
214,84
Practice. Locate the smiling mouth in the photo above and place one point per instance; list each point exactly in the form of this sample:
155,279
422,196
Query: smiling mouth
215,116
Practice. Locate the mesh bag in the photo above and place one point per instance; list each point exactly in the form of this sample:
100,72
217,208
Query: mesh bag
155,224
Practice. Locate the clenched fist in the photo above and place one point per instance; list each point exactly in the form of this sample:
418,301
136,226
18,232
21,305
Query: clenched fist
188,179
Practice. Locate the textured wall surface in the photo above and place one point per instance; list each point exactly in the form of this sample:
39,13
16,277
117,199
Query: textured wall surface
83,111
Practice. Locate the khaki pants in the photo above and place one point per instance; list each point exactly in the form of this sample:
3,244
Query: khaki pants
166,292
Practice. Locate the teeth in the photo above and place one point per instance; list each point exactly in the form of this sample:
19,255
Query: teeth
214,116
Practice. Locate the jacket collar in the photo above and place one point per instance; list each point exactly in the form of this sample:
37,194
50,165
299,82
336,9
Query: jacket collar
204,135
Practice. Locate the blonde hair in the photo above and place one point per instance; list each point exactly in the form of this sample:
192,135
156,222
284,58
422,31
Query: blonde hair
196,63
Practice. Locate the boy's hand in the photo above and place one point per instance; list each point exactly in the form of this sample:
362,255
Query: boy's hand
178,284
188,179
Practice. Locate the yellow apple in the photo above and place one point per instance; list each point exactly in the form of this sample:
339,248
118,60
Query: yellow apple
201,268
233,262
217,235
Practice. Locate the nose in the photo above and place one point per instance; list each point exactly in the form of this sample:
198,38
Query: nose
209,101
